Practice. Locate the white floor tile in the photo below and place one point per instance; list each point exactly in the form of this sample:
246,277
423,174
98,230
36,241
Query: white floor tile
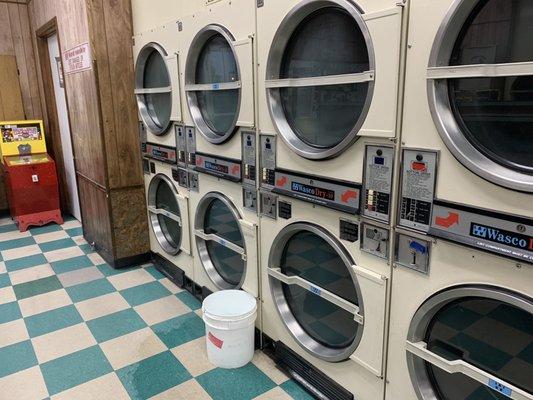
79,240
274,394
50,236
63,254
193,356
131,348
186,391
31,274
79,276
71,224
3,269
13,235
44,302
7,295
269,368
161,310
62,342
20,252
24,385
129,279
96,258
104,387
172,288
13,332
6,221
102,305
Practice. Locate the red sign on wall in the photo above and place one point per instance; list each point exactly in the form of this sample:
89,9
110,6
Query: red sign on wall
77,59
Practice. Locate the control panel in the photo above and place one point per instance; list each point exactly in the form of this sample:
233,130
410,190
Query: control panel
190,138
378,170
268,161
181,145
248,158
419,169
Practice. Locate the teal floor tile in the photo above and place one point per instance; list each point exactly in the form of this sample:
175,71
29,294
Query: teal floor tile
153,375
180,330
57,244
242,383
25,262
75,369
74,231
9,312
4,280
89,290
115,325
39,286
87,248
108,270
51,321
296,391
71,264
16,357
154,272
8,228
145,293
39,230
68,218
14,243
189,300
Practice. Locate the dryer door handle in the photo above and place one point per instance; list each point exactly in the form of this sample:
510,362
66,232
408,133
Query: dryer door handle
165,213
157,90
325,294
420,350
211,237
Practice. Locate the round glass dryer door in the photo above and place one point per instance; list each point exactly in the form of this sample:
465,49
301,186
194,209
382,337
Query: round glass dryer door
481,89
320,77
472,343
213,83
153,88
316,292
220,241
165,215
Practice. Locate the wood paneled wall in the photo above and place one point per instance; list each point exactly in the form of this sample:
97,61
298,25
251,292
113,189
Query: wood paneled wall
15,40
103,120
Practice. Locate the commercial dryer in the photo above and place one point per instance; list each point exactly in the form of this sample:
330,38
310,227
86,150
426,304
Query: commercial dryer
328,85
462,316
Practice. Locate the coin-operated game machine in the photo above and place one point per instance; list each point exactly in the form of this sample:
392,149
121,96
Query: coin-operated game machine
30,174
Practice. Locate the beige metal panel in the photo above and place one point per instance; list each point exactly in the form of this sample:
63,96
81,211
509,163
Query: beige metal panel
147,13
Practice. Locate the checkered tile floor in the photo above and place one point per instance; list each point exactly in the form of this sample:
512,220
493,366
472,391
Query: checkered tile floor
71,327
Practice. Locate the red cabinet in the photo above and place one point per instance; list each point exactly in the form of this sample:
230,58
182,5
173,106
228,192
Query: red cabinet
32,190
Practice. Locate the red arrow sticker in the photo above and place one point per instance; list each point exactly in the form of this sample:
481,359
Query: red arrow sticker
281,181
199,161
349,194
447,222
216,341
236,169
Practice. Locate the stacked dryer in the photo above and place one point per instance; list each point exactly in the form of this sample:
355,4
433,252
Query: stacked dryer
219,115
157,89
462,308
328,90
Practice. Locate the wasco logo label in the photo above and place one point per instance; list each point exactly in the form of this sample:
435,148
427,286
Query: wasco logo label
501,236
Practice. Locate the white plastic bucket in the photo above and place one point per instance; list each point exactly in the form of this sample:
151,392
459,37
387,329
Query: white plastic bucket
229,317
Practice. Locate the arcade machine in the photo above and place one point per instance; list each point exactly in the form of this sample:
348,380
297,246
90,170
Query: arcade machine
30,174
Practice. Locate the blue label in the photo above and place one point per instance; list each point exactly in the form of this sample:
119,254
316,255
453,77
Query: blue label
315,290
216,86
418,247
500,388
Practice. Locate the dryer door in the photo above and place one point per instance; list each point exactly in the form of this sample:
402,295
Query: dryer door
227,244
319,296
472,343
153,88
168,214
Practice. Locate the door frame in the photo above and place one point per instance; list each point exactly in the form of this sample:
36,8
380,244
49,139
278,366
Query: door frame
53,138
